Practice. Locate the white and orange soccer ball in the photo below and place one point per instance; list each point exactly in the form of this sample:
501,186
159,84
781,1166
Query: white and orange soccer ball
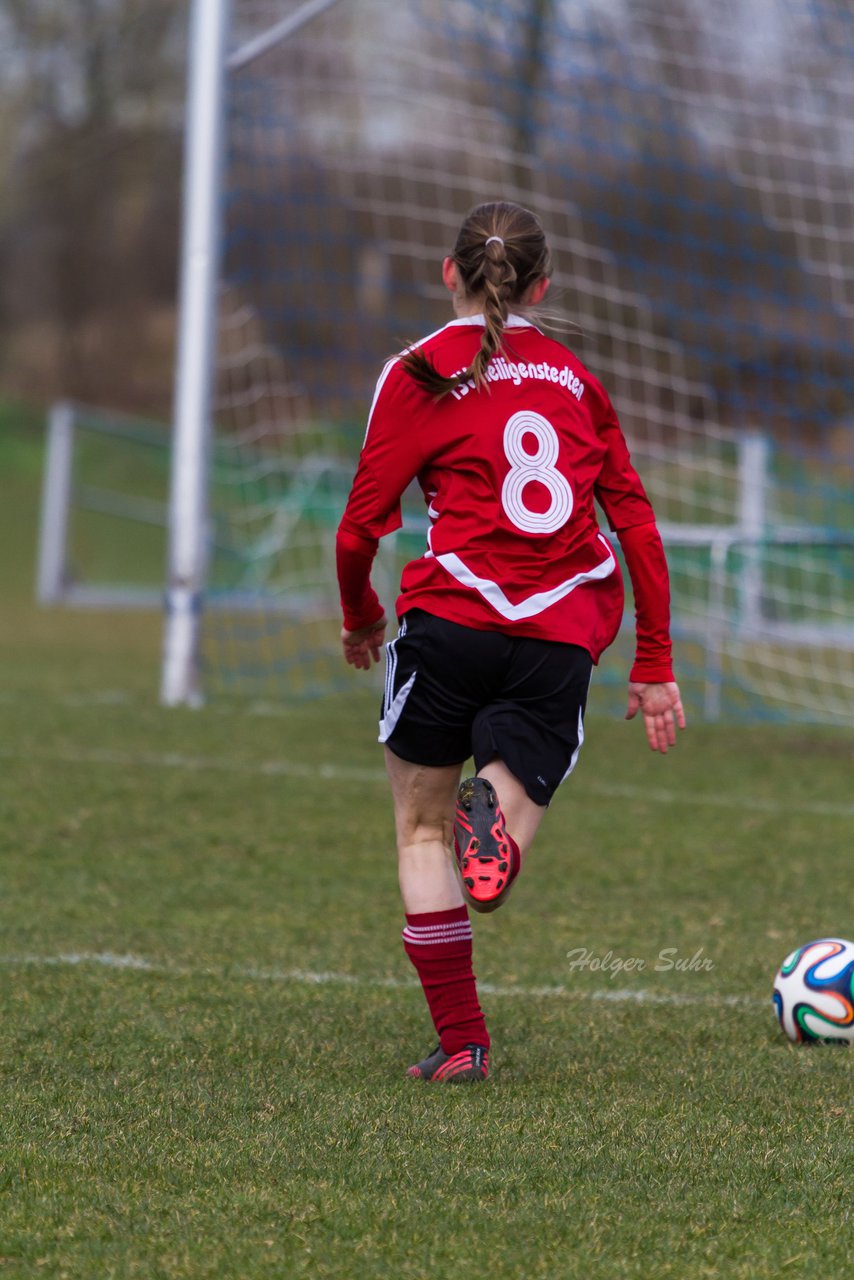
814,992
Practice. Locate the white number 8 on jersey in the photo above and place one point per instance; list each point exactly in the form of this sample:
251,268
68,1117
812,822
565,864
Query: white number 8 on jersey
539,466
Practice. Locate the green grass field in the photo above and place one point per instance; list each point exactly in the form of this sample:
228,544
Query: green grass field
206,1010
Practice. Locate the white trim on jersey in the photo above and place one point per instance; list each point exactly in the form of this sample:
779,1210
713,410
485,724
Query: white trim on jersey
533,604
387,368
513,322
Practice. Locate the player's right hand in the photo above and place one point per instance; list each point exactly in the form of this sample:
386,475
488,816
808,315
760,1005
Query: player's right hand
661,708
362,647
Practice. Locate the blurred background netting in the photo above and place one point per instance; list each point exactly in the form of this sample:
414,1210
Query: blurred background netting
693,165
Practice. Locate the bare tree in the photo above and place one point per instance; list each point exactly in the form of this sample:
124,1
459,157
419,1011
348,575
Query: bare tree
90,153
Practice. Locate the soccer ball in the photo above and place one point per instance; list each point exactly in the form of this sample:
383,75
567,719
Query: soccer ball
814,992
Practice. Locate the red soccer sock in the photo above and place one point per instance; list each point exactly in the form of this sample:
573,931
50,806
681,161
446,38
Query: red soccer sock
439,944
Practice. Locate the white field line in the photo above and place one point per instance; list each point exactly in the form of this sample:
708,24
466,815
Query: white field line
304,977
199,764
353,773
752,804
96,698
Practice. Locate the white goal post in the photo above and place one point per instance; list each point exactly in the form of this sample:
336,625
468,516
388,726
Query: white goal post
195,354
207,67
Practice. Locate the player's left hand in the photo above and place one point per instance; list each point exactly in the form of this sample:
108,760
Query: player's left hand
661,708
362,647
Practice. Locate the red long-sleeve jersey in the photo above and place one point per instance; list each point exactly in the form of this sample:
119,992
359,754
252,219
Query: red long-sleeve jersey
509,473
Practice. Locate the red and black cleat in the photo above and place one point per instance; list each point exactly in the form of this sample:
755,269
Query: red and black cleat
487,856
469,1065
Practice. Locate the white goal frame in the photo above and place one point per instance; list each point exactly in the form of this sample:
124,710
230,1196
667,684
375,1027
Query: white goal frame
196,352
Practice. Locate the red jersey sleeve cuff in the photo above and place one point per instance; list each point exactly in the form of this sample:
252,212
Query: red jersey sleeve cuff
354,556
647,568
646,673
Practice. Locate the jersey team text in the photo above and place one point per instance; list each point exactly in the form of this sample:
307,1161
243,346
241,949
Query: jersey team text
501,370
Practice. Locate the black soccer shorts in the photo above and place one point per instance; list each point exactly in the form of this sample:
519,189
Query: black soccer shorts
452,692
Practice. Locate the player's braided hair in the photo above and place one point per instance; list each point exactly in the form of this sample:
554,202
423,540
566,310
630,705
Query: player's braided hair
501,250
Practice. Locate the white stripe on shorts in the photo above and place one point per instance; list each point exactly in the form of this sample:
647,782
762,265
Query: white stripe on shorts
574,761
393,704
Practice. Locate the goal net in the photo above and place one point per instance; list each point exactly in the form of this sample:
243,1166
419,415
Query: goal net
692,165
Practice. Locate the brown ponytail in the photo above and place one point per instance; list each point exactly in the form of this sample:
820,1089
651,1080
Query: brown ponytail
500,252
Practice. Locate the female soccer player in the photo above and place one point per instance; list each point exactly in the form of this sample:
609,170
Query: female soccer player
509,608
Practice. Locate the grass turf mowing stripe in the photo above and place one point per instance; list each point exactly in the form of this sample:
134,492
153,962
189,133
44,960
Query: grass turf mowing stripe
130,963
326,771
